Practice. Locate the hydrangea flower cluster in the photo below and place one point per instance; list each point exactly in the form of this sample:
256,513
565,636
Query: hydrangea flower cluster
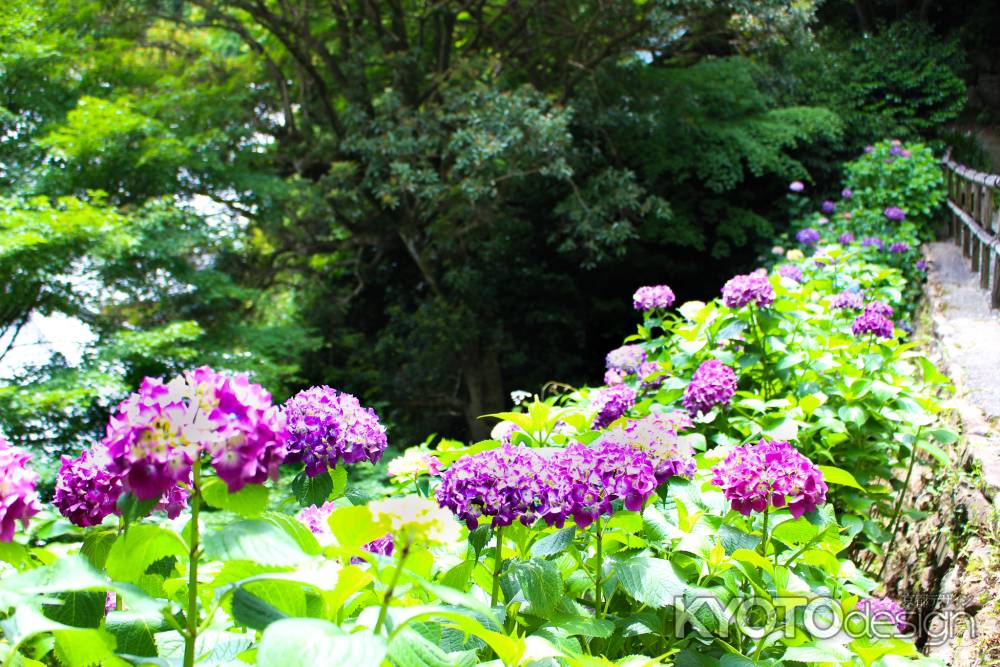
18,495
807,236
411,518
614,377
899,247
895,214
883,610
870,322
828,207
796,186
652,297
846,238
158,432
656,436
611,403
649,374
848,300
922,265
713,384
846,193
791,272
880,308
415,462
582,482
626,358
499,483
770,473
872,241
741,290
326,426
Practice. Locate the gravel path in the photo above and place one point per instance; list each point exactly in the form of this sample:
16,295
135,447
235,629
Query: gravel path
969,329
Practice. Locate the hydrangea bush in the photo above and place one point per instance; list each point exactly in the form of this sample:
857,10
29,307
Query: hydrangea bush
745,450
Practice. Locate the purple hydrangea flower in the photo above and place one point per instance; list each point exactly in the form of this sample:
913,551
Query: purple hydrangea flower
159,431
770,473
807,236
899,247
905,153
896,149
582,482
921,265
504,432
652,297
883,610
86,490
614,377
880,308
650,375
873,323
872,241
828,207
611,403
823,221
18,482
895,214
500,483
741,290
626,358
796,186
791,272
869,149
846,193
846,238
848,300
326,426
713,384
656,436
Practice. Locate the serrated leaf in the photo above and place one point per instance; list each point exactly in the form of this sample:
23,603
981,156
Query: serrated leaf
138,548
131,508
296,530
254,540
97,546
651,581
253,612
312,490
213,648
540,583
310,641
83,648
250,501
135,633
553,544
410,649
78,609
832,475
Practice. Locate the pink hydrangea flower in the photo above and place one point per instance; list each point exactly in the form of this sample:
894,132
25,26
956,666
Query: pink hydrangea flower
770,474
18,495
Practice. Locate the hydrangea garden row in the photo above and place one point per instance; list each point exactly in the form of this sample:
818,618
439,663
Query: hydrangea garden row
737,479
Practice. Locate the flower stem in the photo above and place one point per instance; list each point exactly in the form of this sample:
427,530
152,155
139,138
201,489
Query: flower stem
764,536
599,572
384,609
894,526
497,563
194,554
765,370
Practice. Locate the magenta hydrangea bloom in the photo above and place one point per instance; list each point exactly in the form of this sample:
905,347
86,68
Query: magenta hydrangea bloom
796,186
752,287
848,300
922,265
896,149
713,384
895,214
846,193
650,374
770,473
582,482
652,297
828,207
626,358
791,272
880,308
884,610
869,149
870,322
656,436
899,247
807,236
872,241
326,427
159,431
614,377
846,238
611,403
18,495
499,483
86,490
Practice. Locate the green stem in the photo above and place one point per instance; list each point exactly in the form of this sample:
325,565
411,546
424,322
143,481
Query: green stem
765,372
599,571
764,536
194,554
384,609
497,564
119,603
899,503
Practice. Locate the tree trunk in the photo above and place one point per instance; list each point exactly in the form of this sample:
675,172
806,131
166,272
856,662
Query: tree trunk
483,388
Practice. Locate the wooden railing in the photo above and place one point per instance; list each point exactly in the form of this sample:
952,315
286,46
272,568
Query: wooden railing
975,220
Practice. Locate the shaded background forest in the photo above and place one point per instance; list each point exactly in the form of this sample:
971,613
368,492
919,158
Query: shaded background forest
427,204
